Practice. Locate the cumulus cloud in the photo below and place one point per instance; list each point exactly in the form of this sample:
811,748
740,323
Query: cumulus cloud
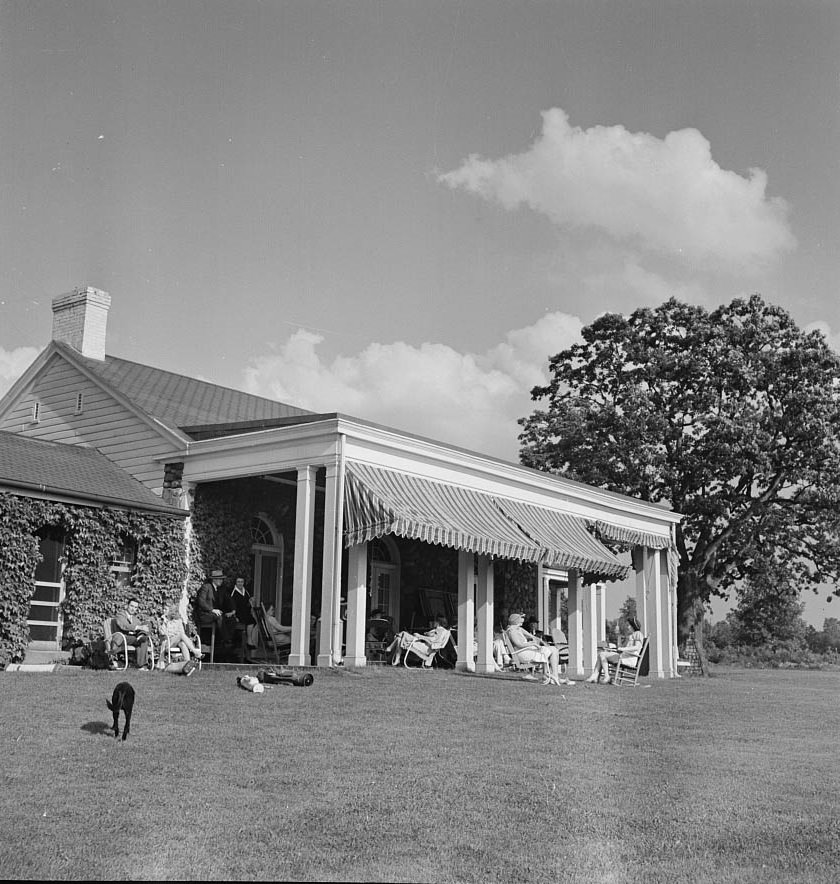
668,195
832,338
13,363
468,399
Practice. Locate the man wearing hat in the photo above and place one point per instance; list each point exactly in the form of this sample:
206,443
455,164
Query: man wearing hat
211,601
529,649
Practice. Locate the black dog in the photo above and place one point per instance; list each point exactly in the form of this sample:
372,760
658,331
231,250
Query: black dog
123,699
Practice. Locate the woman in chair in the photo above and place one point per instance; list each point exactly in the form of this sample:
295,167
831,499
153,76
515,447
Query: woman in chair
529,649
632,645
424,644
172,632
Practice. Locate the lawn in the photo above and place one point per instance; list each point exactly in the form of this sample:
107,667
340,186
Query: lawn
391,775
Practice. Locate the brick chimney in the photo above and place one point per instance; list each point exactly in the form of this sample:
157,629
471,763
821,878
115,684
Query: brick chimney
80,319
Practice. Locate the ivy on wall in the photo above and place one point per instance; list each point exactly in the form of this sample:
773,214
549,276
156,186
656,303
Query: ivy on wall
221,528
94,537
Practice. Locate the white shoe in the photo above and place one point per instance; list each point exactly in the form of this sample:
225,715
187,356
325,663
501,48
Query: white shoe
592,679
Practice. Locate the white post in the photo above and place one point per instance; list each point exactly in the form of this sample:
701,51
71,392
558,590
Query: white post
589,624
484,605
328,651
575,636
356,604
302,576
466,609
186,503
641,566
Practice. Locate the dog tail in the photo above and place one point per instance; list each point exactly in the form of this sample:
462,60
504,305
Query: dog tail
108,704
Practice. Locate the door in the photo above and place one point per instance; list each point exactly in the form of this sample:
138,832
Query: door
385,579
45,606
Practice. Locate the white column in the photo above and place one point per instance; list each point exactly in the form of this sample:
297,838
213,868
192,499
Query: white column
543,613
329,648
302,576
589,625
641,565
356,604
466,609
484,610
601,611
186,503
575,636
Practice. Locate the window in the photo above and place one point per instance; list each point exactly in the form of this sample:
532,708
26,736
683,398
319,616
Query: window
80,403
123,562
36,413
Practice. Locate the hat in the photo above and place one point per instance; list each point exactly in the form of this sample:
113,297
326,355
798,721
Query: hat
515,618
217,574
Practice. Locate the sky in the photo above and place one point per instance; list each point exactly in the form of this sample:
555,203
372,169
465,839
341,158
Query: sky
401,210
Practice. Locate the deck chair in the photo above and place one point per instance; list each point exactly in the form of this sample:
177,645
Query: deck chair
267,640
436,647
516,661
628,669
116,641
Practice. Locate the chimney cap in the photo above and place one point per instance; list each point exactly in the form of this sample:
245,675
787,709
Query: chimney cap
80,295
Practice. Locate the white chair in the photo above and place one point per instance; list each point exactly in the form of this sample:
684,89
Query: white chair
516,658
117,642
438,645
173,653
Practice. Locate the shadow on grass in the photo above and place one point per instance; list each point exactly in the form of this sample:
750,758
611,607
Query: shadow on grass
98,729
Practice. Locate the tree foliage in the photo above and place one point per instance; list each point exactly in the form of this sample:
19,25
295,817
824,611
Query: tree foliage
768,610
729,417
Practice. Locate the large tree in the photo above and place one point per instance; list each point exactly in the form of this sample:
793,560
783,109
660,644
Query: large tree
729,417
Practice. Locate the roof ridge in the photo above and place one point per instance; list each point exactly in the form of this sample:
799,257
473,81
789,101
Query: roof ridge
187,377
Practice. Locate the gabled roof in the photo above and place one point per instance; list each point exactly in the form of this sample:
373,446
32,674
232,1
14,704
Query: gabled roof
55,469
178,401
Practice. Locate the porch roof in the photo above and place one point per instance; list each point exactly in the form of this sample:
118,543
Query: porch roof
379,501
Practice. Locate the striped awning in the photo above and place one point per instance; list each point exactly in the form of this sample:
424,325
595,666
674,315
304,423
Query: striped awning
378,501
566,541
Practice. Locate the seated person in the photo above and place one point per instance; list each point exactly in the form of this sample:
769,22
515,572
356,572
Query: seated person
500,655
531,650
632,645
172,632
136,633
379,627
282,634
425,644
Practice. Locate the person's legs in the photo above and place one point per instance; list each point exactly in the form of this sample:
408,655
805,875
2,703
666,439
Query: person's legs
141,642
600,667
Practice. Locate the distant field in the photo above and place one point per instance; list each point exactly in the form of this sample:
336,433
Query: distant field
390,775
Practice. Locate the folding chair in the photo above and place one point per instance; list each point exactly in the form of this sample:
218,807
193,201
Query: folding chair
117,641
435,648
628,669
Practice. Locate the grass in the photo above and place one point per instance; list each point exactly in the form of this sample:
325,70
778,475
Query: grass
390,775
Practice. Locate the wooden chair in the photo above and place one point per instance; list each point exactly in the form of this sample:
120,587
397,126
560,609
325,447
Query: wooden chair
116,641
628,669
516,661
267,639
435,647
208,629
